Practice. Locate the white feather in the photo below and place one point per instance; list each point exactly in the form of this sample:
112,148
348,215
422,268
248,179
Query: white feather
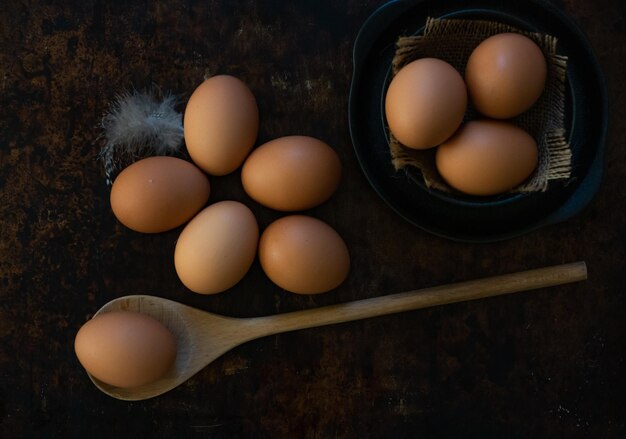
137,125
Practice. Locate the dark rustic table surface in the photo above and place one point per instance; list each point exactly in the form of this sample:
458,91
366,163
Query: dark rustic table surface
543,364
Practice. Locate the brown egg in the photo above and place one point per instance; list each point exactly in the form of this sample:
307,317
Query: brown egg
487,157
125,349
303,255
291,173
221,124
505,75
216,249
158,194
425,103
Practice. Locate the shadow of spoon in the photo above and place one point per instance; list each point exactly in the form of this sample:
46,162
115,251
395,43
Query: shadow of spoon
202,337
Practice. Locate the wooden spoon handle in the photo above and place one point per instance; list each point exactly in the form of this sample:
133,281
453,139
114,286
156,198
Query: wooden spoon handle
427,297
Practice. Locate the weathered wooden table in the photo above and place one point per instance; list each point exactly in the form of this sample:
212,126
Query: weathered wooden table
543,364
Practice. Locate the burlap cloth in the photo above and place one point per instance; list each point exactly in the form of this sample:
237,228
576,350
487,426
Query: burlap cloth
453,41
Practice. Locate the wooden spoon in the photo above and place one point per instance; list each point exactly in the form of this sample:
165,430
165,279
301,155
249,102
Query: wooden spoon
202,336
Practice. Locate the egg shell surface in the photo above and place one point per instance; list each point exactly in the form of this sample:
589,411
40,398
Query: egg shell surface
125,349
425,103
487,157
221,124
156,194
505,75
216,249
303,255
291,173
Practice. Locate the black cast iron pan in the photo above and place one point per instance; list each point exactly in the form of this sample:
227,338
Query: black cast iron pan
476,219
